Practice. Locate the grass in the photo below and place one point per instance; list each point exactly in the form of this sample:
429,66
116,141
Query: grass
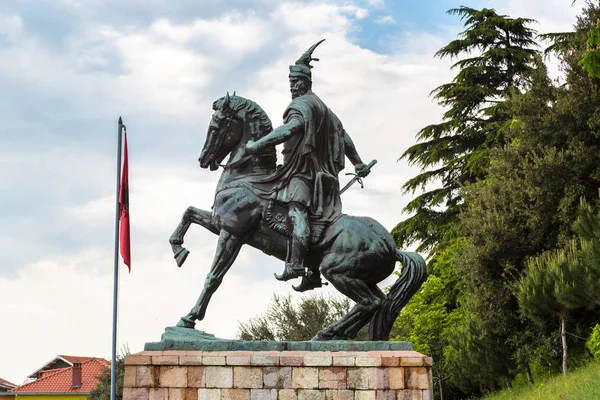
582,384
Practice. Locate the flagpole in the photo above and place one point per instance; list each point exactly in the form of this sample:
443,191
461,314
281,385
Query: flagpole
113,364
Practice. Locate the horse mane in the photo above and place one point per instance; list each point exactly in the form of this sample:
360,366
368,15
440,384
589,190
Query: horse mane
260,125
262,122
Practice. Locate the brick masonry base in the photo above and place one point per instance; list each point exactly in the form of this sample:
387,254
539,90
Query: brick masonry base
258,375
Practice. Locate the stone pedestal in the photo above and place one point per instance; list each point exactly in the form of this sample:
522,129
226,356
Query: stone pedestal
258,375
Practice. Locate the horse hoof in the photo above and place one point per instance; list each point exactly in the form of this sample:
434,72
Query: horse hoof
319,337
186,323
181,256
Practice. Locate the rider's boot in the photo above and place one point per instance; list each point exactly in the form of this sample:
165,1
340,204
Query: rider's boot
312,280
294,268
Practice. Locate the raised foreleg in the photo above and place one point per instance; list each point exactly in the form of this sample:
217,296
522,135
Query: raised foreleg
228,248
192,215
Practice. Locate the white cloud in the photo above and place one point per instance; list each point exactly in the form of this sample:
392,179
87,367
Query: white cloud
375,3
385,20
11,26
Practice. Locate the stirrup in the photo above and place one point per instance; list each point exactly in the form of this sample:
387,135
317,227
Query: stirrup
289,273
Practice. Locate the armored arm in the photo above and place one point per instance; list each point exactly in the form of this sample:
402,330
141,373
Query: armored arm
350,150
279,135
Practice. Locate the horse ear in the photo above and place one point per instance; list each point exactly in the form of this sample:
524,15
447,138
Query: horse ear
226,102
234,92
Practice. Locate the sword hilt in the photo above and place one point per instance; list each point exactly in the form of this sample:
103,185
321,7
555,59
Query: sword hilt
358,177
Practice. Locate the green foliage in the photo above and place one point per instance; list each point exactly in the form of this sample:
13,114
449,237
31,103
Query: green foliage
102,390
456,151
591,58
593,343
289,321
512,168
582,384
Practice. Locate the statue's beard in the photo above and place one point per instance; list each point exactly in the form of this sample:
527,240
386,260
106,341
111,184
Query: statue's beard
298,89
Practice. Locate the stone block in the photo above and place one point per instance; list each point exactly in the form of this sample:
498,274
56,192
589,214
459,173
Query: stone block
372,361
379,378
428,394
417,378
396,378
287,394
318,359
291,360
213,360
209,394
305,378
247,377
218,377
130,377
386,395
265,358
390,361
173,377
195,378
428,361
138,359
263,394
136,393
235,394
358,378
365,395
146,376
332,378
410,395
309,394
174,353
339,395
190,359
277,377
344,361
191,394
165,360
178,394
411,362
159,394
238,360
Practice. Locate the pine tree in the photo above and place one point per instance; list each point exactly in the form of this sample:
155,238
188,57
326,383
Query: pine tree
456,151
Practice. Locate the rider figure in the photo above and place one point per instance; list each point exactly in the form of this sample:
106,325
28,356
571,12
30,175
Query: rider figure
315,144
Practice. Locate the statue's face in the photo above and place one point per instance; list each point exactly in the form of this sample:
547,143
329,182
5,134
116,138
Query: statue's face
298,86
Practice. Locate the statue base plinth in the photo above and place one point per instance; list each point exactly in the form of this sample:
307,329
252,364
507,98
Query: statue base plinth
196,375
178,338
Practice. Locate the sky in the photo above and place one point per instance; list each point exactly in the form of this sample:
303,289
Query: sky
70,68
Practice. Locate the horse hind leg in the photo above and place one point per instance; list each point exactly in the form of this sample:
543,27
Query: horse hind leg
368,300
191,215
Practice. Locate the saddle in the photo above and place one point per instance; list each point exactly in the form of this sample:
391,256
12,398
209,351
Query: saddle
324,210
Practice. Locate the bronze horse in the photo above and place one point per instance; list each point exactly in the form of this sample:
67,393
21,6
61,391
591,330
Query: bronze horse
353,253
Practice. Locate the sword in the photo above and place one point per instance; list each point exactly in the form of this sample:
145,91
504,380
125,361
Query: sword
357,177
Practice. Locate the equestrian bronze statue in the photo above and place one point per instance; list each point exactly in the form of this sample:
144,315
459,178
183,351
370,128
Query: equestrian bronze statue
293,211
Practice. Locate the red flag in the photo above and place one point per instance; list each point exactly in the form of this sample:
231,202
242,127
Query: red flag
124,239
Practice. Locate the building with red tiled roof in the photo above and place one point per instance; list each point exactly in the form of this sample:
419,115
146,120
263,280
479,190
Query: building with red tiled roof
73,382
60,361
5,385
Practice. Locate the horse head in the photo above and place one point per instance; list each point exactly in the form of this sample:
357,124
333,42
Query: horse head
234,122
224,133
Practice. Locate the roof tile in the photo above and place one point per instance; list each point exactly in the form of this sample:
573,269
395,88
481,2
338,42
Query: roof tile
60,380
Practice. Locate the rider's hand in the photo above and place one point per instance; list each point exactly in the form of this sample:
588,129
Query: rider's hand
251,147
361,169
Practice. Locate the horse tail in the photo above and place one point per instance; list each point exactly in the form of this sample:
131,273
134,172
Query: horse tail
412,276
